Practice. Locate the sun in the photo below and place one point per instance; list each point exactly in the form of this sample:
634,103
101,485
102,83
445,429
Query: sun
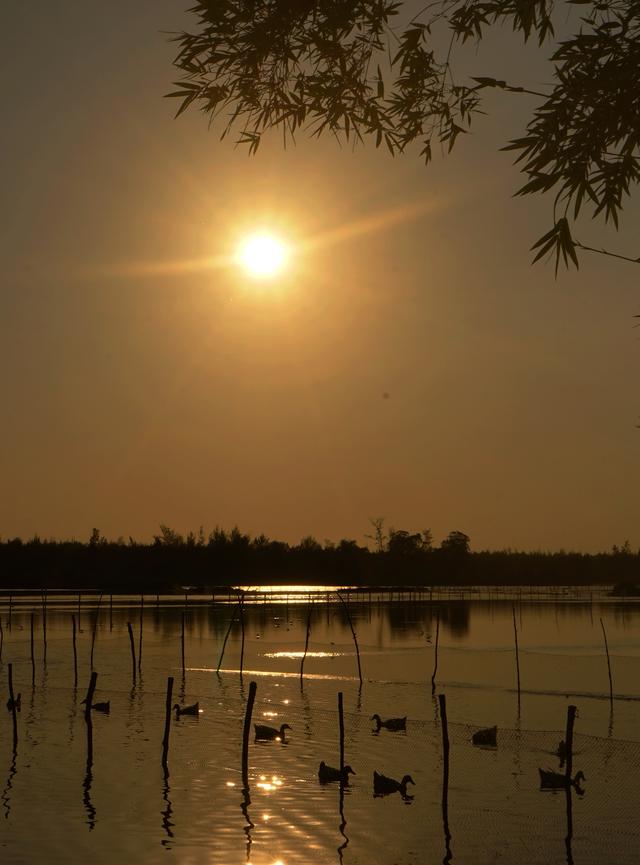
263,255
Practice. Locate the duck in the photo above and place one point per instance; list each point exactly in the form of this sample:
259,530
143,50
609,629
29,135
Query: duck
327,774
390,723
105,708
269,734
15,703
556,780
487,738
382,785
194,709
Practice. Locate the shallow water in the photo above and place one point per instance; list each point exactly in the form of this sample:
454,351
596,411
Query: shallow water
54,808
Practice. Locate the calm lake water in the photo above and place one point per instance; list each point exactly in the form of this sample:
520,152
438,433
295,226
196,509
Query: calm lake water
53,810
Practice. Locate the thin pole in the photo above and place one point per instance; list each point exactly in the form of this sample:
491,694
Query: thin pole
167,722
95,628
10,608
13,708
341,731
110,613
224,644
242,640
571,715
75,652
133,651
33,660
355,639
89,697
44,625
182,644
245,735
140,635
435,659
445,776
79,609
606,646
306,644
515,633
1,639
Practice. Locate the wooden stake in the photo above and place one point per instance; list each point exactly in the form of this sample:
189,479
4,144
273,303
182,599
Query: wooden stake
245,735
33,659
571,716
306,644
182,644
89,697
167,722
140,635
75,652
515,632
435,659
12,698
224,644
133,652
95,628
242,640
44,625
79,608
341,732
353,633
606,646
445,776
10,607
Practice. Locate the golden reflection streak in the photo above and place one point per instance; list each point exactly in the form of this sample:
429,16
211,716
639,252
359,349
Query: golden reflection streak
275,674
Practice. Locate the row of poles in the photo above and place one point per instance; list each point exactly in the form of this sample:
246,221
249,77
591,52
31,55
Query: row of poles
239,612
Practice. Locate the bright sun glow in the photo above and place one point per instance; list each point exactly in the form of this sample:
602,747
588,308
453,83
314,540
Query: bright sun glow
263,255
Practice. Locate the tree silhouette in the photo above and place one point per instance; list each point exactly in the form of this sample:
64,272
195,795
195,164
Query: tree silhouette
367,69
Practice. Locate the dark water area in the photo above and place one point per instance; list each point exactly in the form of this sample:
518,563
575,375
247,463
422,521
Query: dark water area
57,806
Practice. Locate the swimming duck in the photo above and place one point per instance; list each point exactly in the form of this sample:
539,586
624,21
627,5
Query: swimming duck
390,723
382,785
16,702
194,709
264,733
327,774
556,781
487,738
105,708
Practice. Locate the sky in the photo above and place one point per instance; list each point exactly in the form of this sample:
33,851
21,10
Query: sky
411,364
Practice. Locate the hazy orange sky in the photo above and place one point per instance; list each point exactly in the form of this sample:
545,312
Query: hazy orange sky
134,392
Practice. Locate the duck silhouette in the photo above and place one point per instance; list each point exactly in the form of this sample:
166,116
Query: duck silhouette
389,723
557,781
383,786
193,709
105,707
486,738
269,734
327,774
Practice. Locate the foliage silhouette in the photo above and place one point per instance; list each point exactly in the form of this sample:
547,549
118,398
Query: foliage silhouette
361,69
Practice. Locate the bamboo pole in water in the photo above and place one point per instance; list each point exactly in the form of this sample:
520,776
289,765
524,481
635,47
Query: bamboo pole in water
167,722
515,633
341,731
445,776
242,640
44,625
133,651
33,658
12,705
10,609
353,633
606,647
224,643
75,652
79,610
245,735
306,645
95,628
140,635
182,643
435,658
89,698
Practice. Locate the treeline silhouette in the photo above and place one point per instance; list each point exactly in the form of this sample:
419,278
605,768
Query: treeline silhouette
226,558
